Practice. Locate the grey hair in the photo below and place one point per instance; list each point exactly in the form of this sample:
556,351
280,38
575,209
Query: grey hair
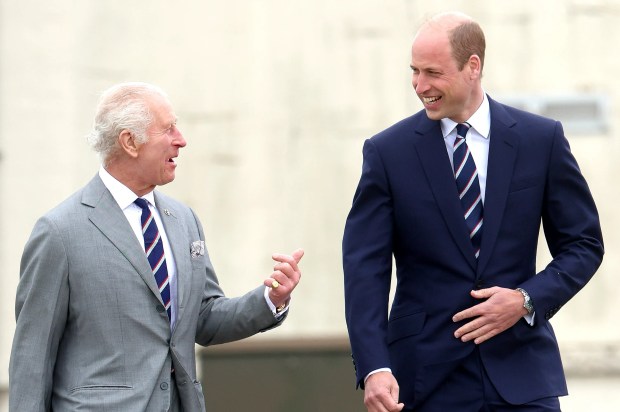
121,107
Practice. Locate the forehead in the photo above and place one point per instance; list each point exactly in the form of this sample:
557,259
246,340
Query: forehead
161,109
431,48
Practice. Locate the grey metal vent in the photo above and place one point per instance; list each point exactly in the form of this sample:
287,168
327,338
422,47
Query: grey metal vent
579,114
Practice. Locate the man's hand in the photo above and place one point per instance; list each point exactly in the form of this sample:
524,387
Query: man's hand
501,310
285,277
381,393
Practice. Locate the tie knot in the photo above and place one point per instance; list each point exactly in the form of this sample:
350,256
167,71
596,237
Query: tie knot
143,203
461,129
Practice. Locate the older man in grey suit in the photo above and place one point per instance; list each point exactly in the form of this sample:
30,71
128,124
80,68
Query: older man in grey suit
115,291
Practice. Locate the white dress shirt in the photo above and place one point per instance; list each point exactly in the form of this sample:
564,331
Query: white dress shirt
125,199
477,140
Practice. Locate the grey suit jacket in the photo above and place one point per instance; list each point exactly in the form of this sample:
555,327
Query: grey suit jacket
92,334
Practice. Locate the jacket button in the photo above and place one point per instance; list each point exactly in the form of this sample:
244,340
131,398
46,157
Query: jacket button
163,386
160,308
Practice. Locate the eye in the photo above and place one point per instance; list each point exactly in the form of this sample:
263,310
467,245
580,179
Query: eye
171,128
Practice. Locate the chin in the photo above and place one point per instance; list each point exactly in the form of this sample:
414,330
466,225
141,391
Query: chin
433,115
167,180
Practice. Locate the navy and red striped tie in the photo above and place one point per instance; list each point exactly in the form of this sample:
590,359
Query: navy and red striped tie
468,186
154,248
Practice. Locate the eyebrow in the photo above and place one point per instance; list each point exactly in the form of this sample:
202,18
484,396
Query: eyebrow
171,123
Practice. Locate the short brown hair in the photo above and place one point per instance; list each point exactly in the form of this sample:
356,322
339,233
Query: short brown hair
466,40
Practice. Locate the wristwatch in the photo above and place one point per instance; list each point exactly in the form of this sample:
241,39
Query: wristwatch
527,301
280,308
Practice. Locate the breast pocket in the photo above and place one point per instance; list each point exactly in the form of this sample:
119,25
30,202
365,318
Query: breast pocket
524,183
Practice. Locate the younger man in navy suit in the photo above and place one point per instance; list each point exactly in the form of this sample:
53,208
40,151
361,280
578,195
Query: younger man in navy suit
456,194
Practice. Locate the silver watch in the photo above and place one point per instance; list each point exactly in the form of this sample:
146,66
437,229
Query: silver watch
527,301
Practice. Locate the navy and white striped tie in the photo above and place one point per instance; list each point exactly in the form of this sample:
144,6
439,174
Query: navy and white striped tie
468,186
154,248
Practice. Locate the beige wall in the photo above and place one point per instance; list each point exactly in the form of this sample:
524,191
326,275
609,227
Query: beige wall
275,98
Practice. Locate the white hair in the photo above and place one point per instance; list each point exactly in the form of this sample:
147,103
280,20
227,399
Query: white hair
121,107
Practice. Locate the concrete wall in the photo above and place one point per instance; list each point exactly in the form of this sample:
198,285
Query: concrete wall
275,98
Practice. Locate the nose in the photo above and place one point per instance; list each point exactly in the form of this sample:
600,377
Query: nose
419,84
179,140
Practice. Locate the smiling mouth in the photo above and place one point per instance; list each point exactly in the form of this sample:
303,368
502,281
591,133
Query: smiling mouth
431,100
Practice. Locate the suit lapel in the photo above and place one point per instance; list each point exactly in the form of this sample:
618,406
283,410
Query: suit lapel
177,238
503,146
433,156
112,223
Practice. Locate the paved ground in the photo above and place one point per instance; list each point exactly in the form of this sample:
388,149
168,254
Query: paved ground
592,395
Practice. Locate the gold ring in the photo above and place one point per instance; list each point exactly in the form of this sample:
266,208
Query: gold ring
275,284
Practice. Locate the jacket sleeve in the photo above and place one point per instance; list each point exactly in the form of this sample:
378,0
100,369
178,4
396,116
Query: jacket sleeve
367,264
41,312
223,319
572,231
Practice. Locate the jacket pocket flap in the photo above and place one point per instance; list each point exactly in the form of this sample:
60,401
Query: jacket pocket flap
404,326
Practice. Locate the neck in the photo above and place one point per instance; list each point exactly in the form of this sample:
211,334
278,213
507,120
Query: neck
127,177
473,104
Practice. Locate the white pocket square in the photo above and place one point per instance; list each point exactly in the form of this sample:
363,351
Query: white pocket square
197,248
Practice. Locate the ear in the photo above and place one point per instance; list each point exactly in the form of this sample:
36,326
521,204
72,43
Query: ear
128,144
475,67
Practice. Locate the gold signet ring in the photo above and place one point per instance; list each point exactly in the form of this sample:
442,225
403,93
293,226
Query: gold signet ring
275,284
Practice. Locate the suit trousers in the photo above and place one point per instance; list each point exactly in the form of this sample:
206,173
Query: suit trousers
469,389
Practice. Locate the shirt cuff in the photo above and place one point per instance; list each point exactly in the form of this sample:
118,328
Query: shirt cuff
273,307
376,371
529,318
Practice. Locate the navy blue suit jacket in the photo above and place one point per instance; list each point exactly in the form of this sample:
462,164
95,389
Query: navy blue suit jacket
406,206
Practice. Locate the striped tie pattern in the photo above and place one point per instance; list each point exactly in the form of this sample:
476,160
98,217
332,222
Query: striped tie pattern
154,248
468,186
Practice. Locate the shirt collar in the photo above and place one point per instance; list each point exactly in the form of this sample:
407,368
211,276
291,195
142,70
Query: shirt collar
121,193
480,120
